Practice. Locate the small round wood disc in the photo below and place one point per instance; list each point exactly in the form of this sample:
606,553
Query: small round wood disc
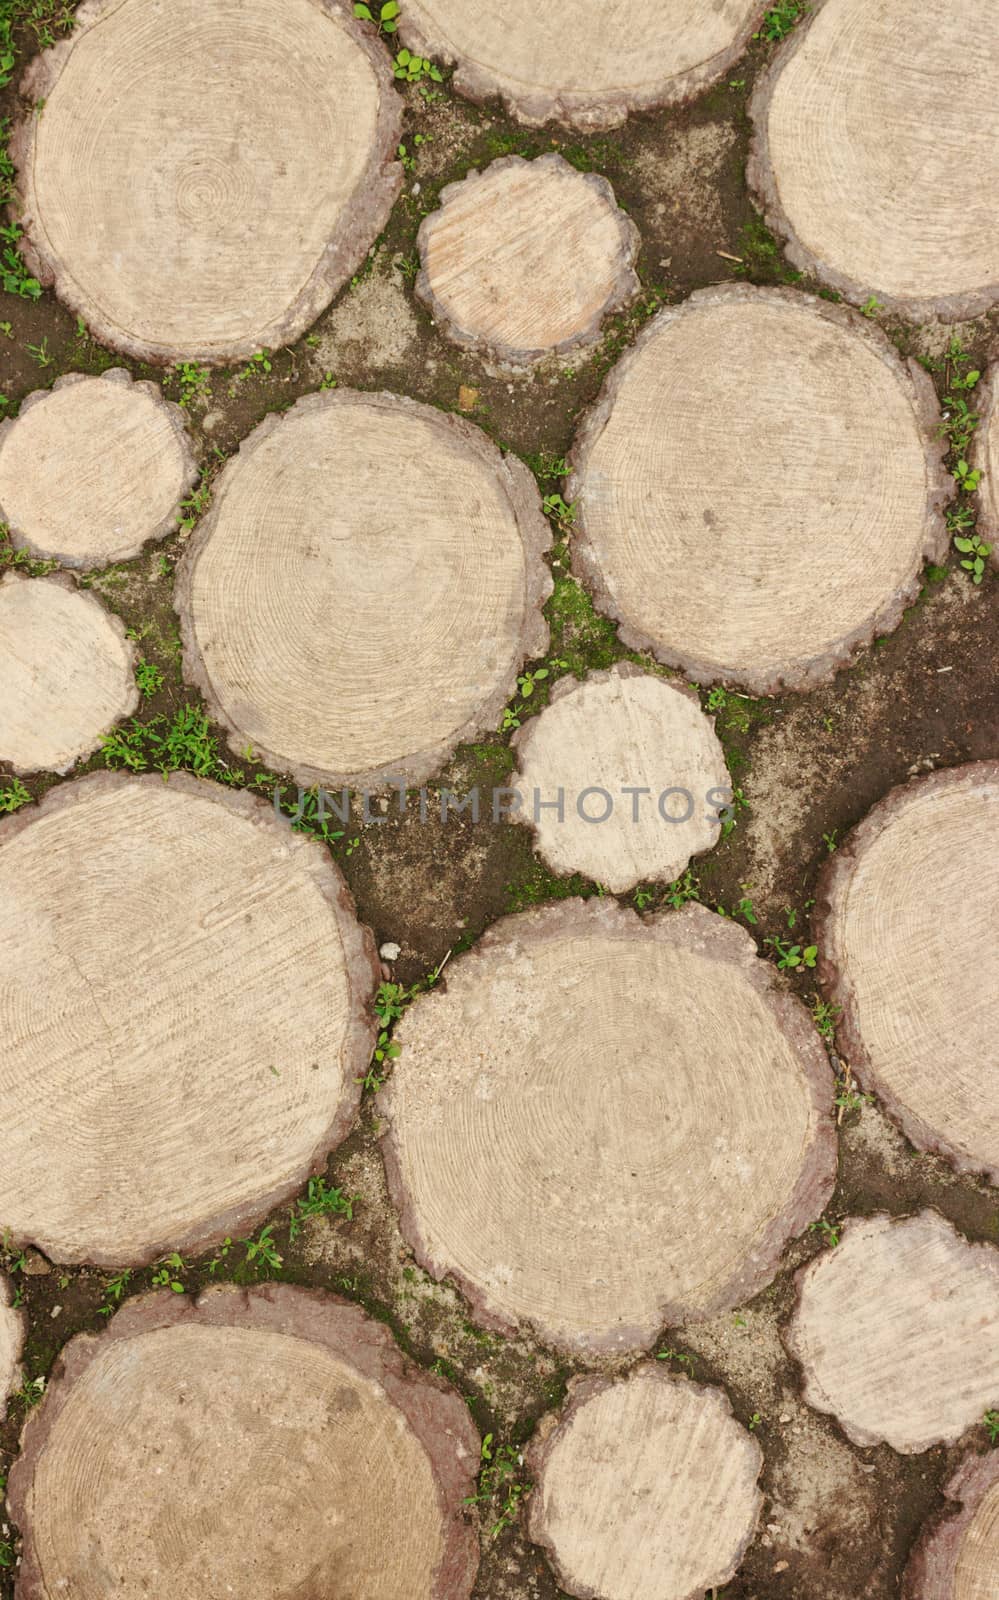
645,1488
985,457
958,1558
92,468
365,589
900,905
527,258
859,129
239,161
183,1016
66,669
255,1445
895,1331
603,1125
583,760
12,1329
739,550
653,53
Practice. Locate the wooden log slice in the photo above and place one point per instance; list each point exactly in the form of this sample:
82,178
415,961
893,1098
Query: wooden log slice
255,1445
239,160
907,923
895,1331
92,468
645,1488
183,1016
621,731
603,1125
957,1558
858,133
759,484
365,589
590,68
67,671
526,259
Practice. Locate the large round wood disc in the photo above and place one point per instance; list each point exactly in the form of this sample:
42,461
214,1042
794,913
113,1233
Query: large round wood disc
737,549
11,1343
256,1445
985,456
645,1489
365,588
603,1124
858,133
92,468
958,1558
895,1331
66,669
610,59
597,743
527,258
238,161
182,1016
900,905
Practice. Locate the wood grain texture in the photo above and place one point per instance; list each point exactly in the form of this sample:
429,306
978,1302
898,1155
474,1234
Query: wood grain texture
617,729
860,124
895,1331
183,1016
604,1125
67,671
92,468
525,259
645,1488
238,162
906,897
365,589
759,483
957,1557
590,68
253,1445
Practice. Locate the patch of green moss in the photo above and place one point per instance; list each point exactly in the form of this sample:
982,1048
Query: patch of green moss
580,636
761,256
540,886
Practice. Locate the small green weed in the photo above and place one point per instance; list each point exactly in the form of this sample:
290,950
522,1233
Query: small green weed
114,1292
40,354
780,19
828,1230
321,1201
385,15
991,1421
30,1392
687,1362
168,744
262,1254
975,552
413,68
562,513
148,677
13,269
790,957
193,380
257,366
500,1483
825,1015
682,889
12,797
166,1276
871,307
